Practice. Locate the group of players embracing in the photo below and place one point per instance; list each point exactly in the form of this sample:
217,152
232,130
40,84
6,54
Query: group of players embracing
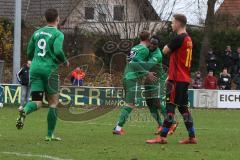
145,62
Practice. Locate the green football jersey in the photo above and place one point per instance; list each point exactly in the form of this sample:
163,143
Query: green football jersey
134,69
157,88
155,63
45,48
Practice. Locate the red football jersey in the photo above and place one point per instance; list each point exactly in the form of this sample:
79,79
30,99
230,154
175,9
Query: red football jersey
180,58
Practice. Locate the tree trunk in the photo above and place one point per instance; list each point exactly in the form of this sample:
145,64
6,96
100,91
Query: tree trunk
209,25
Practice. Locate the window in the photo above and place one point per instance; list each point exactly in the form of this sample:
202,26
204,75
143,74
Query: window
89,13
102,17
103,11
118,13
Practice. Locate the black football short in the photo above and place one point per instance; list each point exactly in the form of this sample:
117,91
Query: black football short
177,93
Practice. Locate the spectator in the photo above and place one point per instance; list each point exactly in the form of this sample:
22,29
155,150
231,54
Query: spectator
236,80
77,77
224,80
211,61
210,82
228,59
23,79
238,53
197,81
236,62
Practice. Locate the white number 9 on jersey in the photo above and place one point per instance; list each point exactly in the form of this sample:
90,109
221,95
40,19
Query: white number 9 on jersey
42,45
131,55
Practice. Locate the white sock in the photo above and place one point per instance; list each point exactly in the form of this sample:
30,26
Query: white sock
118,128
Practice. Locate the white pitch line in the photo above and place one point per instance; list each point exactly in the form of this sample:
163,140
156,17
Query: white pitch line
33,155
131,125
141,126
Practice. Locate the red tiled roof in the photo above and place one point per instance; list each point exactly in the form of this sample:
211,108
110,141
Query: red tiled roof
230,7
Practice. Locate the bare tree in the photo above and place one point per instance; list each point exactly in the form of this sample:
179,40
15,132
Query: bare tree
209,27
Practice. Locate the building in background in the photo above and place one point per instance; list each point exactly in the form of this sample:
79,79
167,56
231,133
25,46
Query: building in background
124,18
229,14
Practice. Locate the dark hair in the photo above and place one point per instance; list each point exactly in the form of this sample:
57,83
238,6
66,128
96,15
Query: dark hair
144,35
181,18
51,15
210,71
155,40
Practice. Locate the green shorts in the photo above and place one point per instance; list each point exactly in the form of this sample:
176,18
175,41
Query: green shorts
131,88
44,80
152,91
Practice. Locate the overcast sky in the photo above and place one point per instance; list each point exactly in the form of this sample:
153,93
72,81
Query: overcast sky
190,8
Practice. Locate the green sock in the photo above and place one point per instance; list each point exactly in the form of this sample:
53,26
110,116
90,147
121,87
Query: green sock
125,111
51,120
155,115
30,107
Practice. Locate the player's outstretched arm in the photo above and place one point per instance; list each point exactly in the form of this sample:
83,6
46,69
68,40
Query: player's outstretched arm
143,68
139,66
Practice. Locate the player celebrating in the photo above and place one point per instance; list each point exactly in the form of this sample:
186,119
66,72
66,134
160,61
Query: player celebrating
180,51
154,91
133,73
46,53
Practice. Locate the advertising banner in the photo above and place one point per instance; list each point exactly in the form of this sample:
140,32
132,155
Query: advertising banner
81,96
76,96
228,99
205,98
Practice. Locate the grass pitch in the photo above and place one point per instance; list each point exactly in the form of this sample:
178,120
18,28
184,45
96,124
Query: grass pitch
217,132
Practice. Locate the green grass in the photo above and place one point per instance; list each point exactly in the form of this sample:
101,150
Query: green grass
217,131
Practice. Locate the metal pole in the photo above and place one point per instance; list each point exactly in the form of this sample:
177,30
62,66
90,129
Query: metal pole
17,39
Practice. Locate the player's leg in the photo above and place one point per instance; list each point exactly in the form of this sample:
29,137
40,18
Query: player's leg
52,90
154,105
164,114
163,90
37,97
169,125
37,89
153,102
53,101
29,108
188,121
182,100
130,87
168,121
154,108
163,110
123,117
